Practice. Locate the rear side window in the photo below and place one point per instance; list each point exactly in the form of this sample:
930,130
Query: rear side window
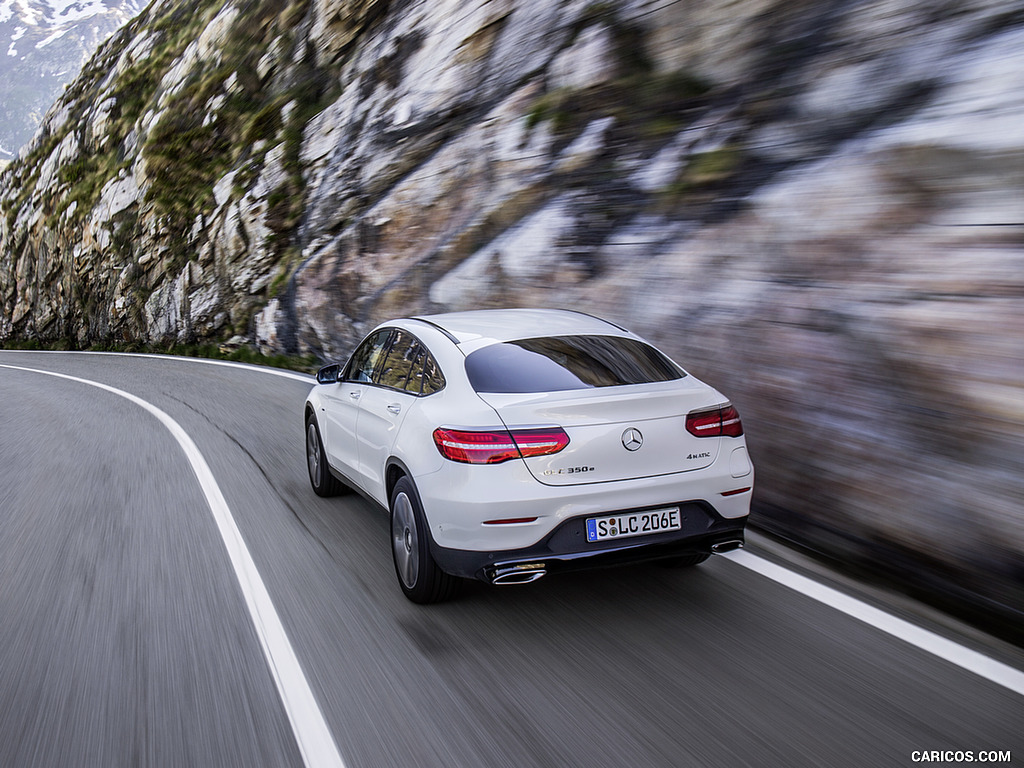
395,359
555,363
433,379
398,369
423,377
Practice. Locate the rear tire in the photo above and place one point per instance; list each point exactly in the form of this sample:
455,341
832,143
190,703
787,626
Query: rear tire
419,576
320,477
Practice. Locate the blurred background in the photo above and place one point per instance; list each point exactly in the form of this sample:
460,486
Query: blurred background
818,206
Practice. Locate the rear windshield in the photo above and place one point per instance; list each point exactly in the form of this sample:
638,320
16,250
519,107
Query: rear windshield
555,363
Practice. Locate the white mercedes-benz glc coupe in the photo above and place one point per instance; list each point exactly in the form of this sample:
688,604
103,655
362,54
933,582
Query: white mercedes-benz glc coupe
510,443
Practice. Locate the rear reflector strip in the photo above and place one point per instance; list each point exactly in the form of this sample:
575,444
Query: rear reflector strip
510,521
736,492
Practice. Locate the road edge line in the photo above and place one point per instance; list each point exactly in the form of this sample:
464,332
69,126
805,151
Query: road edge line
315,741
924,639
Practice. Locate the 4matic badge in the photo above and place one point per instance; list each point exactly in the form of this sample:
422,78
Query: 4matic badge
705,455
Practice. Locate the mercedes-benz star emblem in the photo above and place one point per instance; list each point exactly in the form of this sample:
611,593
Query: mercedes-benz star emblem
632,439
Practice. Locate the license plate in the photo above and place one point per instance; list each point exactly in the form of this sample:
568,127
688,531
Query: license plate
633,524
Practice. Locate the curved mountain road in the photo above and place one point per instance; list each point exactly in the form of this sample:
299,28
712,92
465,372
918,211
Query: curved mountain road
128,634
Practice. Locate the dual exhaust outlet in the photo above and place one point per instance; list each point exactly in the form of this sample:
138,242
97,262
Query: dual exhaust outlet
522,573
526,573
722,547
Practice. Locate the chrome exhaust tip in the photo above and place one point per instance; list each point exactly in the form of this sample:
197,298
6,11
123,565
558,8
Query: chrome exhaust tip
726,546
524,573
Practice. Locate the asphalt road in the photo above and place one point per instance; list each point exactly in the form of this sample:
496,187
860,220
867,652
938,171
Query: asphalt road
125,639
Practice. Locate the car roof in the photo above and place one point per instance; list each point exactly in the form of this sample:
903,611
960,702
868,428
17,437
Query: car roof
494,325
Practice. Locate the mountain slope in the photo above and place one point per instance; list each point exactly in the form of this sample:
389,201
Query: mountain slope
43,45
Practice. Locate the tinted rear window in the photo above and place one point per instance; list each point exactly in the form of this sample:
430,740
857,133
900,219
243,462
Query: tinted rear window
555,363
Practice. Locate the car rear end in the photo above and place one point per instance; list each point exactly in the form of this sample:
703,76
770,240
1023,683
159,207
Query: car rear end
601,451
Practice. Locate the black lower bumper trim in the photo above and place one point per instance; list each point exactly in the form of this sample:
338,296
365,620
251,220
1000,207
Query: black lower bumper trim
567,549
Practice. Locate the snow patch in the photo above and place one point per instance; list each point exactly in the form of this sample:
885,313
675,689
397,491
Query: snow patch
69,12
19,33
54,36
27,13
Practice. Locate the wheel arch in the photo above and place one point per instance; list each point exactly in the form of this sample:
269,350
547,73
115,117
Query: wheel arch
393,470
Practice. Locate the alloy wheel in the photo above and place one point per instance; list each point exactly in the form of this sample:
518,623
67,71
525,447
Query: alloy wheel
405,540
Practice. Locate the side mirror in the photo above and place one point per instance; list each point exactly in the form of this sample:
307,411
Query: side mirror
329,374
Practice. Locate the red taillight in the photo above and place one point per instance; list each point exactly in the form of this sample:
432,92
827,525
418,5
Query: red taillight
498,445
716,422
540,442
731,424
475,447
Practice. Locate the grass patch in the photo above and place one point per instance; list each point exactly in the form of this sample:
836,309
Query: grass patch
648,108
29,345
26,174
553,105
702,178
183,159
133,92
291,258
247,354
712,167
86,177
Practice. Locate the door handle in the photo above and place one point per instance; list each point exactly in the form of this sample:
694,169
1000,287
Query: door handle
395,408
354,395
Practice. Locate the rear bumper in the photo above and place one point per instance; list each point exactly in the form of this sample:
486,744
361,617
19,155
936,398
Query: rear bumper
459,499
567,549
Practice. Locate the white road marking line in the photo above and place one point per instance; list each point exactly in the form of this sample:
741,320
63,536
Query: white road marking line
965,658
304,378
311,731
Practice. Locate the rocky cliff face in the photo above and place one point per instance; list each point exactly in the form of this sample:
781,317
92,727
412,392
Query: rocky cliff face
819,206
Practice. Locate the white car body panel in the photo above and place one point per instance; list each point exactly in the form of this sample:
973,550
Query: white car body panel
381,414
596,420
